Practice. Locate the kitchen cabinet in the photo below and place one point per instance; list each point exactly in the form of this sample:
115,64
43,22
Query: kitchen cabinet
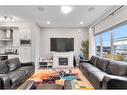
6,33
25,53
25,33
16,35
6,37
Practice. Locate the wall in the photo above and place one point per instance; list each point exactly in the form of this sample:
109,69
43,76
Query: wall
78,34
36,45
2,44
92,48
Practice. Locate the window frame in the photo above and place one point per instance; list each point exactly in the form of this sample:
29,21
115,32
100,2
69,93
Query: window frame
101,42
112,40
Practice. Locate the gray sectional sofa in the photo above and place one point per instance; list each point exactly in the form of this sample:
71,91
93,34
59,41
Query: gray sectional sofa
13,73
104,73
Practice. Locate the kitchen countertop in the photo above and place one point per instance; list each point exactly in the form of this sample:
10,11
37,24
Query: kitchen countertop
7,54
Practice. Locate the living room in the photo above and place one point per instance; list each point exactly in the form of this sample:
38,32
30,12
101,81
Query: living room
63,47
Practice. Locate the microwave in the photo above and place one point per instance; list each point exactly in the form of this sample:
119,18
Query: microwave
25,42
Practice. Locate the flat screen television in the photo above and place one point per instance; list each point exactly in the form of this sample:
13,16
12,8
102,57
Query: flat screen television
62,44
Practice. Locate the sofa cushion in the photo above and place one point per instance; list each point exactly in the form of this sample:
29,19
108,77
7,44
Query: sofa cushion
117,68
88,69
93,60
13,64
86,64
102,63
97,77
3,67
92,69
16,76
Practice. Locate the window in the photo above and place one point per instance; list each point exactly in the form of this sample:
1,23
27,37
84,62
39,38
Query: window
113,44
98,44
120,43
106,45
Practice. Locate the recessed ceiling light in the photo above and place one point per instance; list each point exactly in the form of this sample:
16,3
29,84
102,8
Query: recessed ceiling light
41,9
6,18
81,22
48,22
66,9
91,9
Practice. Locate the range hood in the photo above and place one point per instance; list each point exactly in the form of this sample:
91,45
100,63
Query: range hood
9,33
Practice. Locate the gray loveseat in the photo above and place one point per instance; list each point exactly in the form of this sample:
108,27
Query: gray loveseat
104,73
13,73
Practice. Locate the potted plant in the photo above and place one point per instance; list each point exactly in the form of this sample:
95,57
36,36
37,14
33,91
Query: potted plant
85,49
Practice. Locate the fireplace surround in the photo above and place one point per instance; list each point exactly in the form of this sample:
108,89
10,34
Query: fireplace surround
62,59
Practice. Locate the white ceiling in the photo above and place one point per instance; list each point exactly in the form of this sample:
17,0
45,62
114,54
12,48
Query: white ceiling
88,14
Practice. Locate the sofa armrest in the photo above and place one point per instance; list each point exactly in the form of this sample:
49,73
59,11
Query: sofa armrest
6,82
116,82
28,64
83,62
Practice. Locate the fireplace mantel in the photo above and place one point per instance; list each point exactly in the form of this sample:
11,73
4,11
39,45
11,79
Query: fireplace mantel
58,55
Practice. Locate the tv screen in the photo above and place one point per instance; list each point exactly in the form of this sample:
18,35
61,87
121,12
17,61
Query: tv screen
62,44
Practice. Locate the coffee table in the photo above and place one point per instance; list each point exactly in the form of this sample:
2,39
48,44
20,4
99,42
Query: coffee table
29,84
50,87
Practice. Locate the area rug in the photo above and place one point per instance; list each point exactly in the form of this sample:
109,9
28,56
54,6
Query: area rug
55,76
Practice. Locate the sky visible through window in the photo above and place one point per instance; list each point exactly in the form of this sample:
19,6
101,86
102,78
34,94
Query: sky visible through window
106,39
117,34
98,40
120,32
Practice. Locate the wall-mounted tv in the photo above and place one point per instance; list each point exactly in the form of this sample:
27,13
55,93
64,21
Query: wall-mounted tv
62,44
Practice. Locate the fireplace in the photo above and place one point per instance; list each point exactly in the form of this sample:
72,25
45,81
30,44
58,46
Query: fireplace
63,61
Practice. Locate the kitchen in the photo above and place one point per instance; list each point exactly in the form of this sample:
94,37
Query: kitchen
15,42
6,43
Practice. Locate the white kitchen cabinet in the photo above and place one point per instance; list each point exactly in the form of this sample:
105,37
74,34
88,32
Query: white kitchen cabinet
16,40
25,53
25,33
22,33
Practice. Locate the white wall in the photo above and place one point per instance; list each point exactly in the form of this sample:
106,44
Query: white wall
79,34
36,45
92,48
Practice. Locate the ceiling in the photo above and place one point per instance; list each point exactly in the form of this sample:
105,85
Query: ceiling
41,14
